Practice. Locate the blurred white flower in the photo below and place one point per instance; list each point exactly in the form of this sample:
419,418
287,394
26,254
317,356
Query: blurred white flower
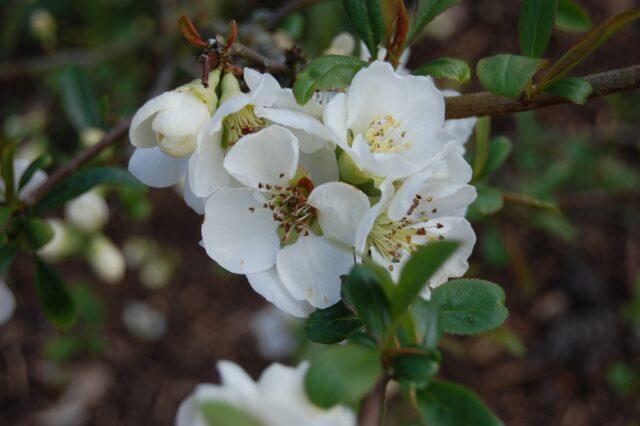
19,167
276,399
106,259
274,332
156,272
144,321
62,244
342,44
91,136
89,212
392,131
137,250
7,303
43,26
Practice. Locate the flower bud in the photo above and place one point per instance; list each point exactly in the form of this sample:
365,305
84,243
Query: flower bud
62,244
342,44
137,250
106,260
91,136
89,212
44,27
144,321
156,272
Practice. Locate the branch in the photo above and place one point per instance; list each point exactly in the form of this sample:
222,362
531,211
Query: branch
372,408
242,51
485,103
83,158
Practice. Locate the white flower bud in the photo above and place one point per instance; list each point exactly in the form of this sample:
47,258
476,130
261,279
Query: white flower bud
144,321
89,212
7,303
91,136
106,260
156,272
43,26
137,250
342,44
61,245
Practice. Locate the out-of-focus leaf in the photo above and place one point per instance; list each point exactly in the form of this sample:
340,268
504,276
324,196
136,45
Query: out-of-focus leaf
451,68
481,138
575,89
425,315
363,291
7,253
332,325
530,201
425,12
218,413
489,199
536,24
328,72
6,170
38,232
5,215
416,367
37,164
366,17
507,75
499,149
571,17
54,297
78,100
293,25
509,340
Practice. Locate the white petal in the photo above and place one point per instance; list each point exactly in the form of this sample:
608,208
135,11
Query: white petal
269,285
311,267
184,118
340,208
297,120
140,133
7,303
269,156
335,118
322,166
196,203
229,106
156,169
264,88
206,170
235,378
454,229
383,164
436,199
239,239
39,177
365,225
425,104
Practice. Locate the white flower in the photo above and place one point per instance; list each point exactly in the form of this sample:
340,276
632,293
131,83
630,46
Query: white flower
89,212
7,303
390,125
266,230
241,114
382,54
62,244
343,44
275,332
106,260
19,167
276,399
428,206
462,128
144,321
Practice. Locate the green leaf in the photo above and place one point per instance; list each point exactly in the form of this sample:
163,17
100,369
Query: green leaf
530,201
416,367
416,272
571,17
6,171
54,297
366,17
7,253
328,72
482,132
451,68
470,306
82,181
591,41
489,199
445,403
342,374
425,12
37,164
332,325
499,149
363,291
426,318
575,89
536,24
218,413
78,99
507,75
38,232
5,215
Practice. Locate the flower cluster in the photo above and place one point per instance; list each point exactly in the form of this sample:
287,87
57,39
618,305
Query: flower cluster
293,196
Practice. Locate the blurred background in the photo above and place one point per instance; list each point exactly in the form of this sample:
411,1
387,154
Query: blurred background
155,313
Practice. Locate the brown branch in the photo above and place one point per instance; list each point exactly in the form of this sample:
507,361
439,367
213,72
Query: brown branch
372,408
242,51
83,158
485,103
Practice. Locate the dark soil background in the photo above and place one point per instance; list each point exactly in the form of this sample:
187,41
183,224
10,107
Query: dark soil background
565,298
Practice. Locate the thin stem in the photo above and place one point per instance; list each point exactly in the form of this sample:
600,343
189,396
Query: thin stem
373,405
242,51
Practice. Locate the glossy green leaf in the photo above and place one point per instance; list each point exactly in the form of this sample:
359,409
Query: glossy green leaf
416,367
445,403
571,17
7,253
489,199
53,295
362,290
591,41
575,89
78,99
537,18
451,68
368,22
82,181
417,271
332,325
426,319
37,164
38,232
425,12
470,306
499,149
342,375
507,75
219,413
328,72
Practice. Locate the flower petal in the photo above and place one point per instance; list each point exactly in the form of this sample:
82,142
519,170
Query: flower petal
335,118
206,170
19,167
425,104
365,225
269,285
300,121
141,134
184,118
311,267
340,208
236,379
238,232
383,164
322,166
196,203
156,169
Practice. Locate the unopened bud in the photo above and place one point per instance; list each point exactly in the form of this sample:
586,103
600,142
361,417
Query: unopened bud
91,136
144,321
342,44
62,244
43,27
89,212
106,260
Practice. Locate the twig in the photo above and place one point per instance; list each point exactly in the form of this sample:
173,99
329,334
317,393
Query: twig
84,157
251,55
372,408
485,103
288,8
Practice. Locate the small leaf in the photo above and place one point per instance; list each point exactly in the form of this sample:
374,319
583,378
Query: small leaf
82,181
37,164
219,413
78,100
54,297
38,232
536,24
507,75
416,272
5,215
445,403
470,306
591,41
342,374
575,89
499,149
425,12
451,68
571,17
416,367
489,199
328,72
426,318
482,132
368,22
7,253
332,325
363,291
189,32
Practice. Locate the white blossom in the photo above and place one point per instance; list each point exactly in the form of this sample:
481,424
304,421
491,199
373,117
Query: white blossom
7,303
276,399
144,321
62,243
19,167
106,260
88,212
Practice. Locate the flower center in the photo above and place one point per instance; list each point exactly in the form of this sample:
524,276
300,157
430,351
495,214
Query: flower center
385,136
239,124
